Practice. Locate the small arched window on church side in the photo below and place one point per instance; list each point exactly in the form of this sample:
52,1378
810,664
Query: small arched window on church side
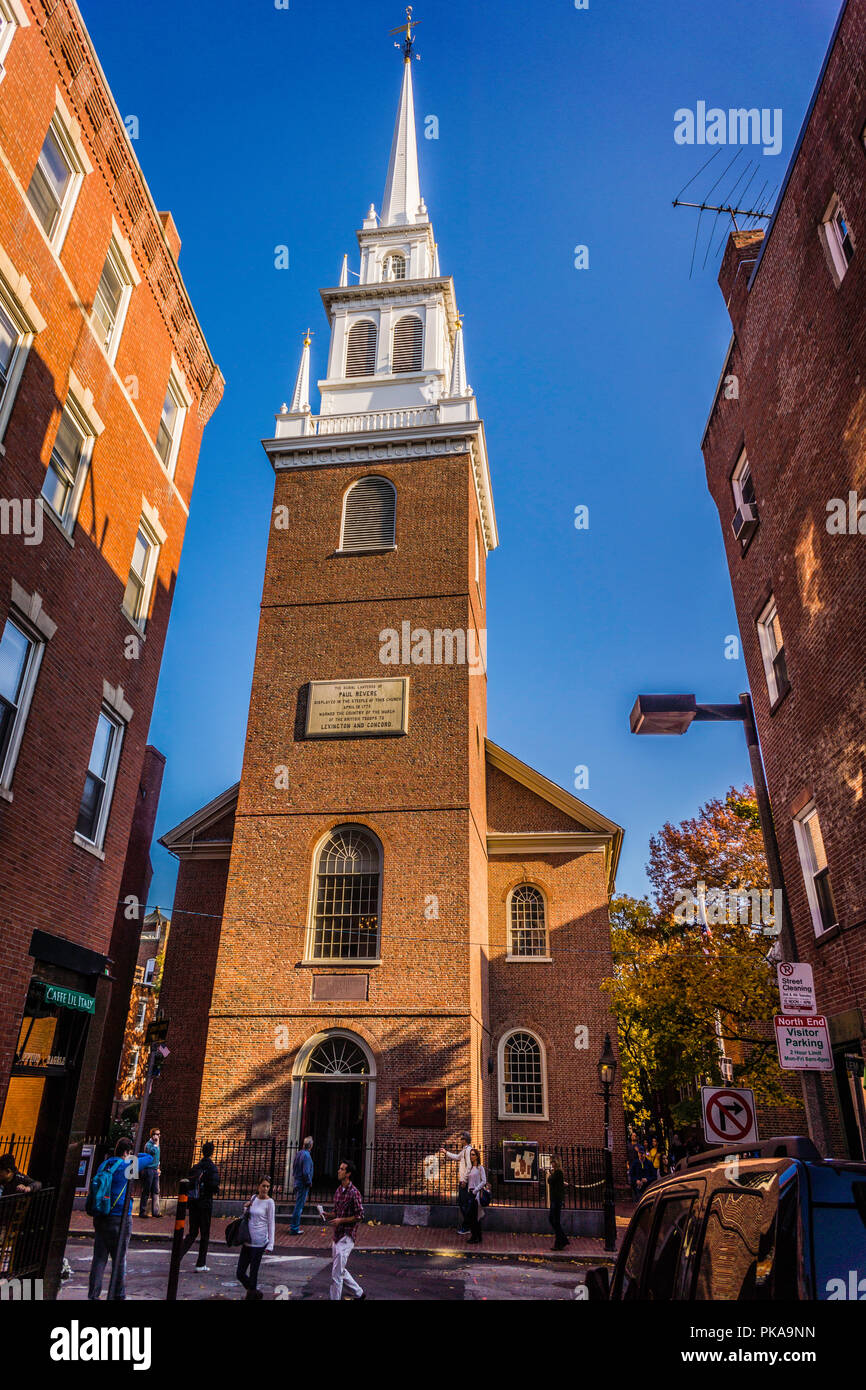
523,1083
527,925
347,896
408,344
369,516
361,349
395,266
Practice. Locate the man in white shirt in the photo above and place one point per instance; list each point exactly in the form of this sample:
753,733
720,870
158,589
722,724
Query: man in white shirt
464,1162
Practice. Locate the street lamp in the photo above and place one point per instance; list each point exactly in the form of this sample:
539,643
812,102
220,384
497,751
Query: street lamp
674,714
606,1075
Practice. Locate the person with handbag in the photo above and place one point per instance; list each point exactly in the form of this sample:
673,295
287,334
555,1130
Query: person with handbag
556,1186
476,1182
260,1213
204,1181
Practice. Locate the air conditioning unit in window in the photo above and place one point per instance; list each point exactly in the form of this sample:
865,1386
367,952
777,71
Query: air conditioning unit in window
745,521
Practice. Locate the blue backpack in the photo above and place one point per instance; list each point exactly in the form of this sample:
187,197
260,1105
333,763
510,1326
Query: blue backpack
99,1201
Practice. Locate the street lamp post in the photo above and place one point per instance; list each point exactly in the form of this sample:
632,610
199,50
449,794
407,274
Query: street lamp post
606,1075
674,714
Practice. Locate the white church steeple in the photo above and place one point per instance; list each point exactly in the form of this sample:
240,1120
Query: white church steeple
401,204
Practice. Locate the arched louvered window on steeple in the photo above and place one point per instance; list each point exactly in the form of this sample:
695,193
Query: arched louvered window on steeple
395,266
361,351
408,344
369,516
347,896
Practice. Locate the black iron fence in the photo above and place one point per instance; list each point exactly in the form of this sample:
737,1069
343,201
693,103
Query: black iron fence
19,1145
25,1229
388,1172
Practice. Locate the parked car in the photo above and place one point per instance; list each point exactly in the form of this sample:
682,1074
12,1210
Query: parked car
767,1221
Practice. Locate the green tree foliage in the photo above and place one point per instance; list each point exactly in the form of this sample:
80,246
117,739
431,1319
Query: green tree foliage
673,984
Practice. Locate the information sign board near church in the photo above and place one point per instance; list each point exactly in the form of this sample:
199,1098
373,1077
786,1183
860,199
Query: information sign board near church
358,709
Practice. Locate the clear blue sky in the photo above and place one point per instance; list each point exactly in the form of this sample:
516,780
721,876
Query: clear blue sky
261,127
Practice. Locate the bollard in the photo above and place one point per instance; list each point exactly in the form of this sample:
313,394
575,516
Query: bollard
177,1241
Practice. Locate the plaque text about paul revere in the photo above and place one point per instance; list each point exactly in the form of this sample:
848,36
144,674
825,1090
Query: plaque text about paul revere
358,709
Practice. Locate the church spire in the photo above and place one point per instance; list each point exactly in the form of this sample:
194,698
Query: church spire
459,386
402,201
301,398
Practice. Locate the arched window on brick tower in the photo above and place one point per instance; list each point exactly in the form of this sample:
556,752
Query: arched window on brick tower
523,1080
369,516
347,896
527,927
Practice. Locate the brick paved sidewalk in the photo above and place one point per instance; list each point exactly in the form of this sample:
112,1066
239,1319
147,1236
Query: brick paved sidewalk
410,1238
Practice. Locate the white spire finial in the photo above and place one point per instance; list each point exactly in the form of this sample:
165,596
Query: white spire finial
301,398
344,272
403,189
458,366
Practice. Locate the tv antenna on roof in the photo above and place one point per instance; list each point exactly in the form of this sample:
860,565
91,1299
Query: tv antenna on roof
745,213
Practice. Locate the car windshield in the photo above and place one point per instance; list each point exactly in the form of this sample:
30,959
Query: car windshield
839,1235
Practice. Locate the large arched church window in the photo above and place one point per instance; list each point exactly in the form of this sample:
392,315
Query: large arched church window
347,896
361,350
522,1077
395,266
408,344
527,922
337,1057
369,515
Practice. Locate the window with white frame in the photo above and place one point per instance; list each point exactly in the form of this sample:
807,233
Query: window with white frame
111,300
742,483
141,1014
100,779
142,573
133,1066
816,872
171,425
408,344
527,926
395,266
361,349
369,516
56,181
20,657
523,1084
149,968
773,651
12,16
837,238
347,896
64,476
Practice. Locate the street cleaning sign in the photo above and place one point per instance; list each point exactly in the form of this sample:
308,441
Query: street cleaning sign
729,1115
796,987
803,1042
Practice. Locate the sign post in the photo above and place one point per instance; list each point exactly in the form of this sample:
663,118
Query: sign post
729,1115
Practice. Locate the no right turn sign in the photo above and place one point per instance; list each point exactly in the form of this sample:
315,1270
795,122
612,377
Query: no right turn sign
729,1115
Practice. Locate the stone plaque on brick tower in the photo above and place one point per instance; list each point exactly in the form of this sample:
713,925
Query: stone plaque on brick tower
358,709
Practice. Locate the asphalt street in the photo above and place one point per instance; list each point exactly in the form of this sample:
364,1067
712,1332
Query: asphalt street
383,1275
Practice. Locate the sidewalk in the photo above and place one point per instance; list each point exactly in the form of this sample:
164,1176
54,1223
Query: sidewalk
414,1239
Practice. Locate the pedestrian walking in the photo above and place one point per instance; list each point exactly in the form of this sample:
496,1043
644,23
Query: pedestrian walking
262,1218
641,1173
475,1184
302,1176
464,1163
348,1211
150,1178
204,1181
108,1188
657,1155
556,1186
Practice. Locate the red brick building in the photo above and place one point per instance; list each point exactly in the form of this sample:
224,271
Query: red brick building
106,384
392,929
785,452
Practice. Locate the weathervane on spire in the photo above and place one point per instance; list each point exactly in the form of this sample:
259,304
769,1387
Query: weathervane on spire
406,30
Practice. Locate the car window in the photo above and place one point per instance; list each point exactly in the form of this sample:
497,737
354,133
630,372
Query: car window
787,1262
670,1233
633,1260
738,1248
839,1244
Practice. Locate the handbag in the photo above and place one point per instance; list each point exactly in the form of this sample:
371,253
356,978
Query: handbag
485,1196
237,1232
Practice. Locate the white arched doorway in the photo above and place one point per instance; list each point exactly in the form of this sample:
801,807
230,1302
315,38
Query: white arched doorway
334,1100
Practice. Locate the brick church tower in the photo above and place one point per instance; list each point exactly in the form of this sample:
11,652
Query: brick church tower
414,924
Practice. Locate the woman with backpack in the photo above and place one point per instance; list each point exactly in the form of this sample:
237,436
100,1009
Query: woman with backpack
204,1181
105,1203
261,1216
